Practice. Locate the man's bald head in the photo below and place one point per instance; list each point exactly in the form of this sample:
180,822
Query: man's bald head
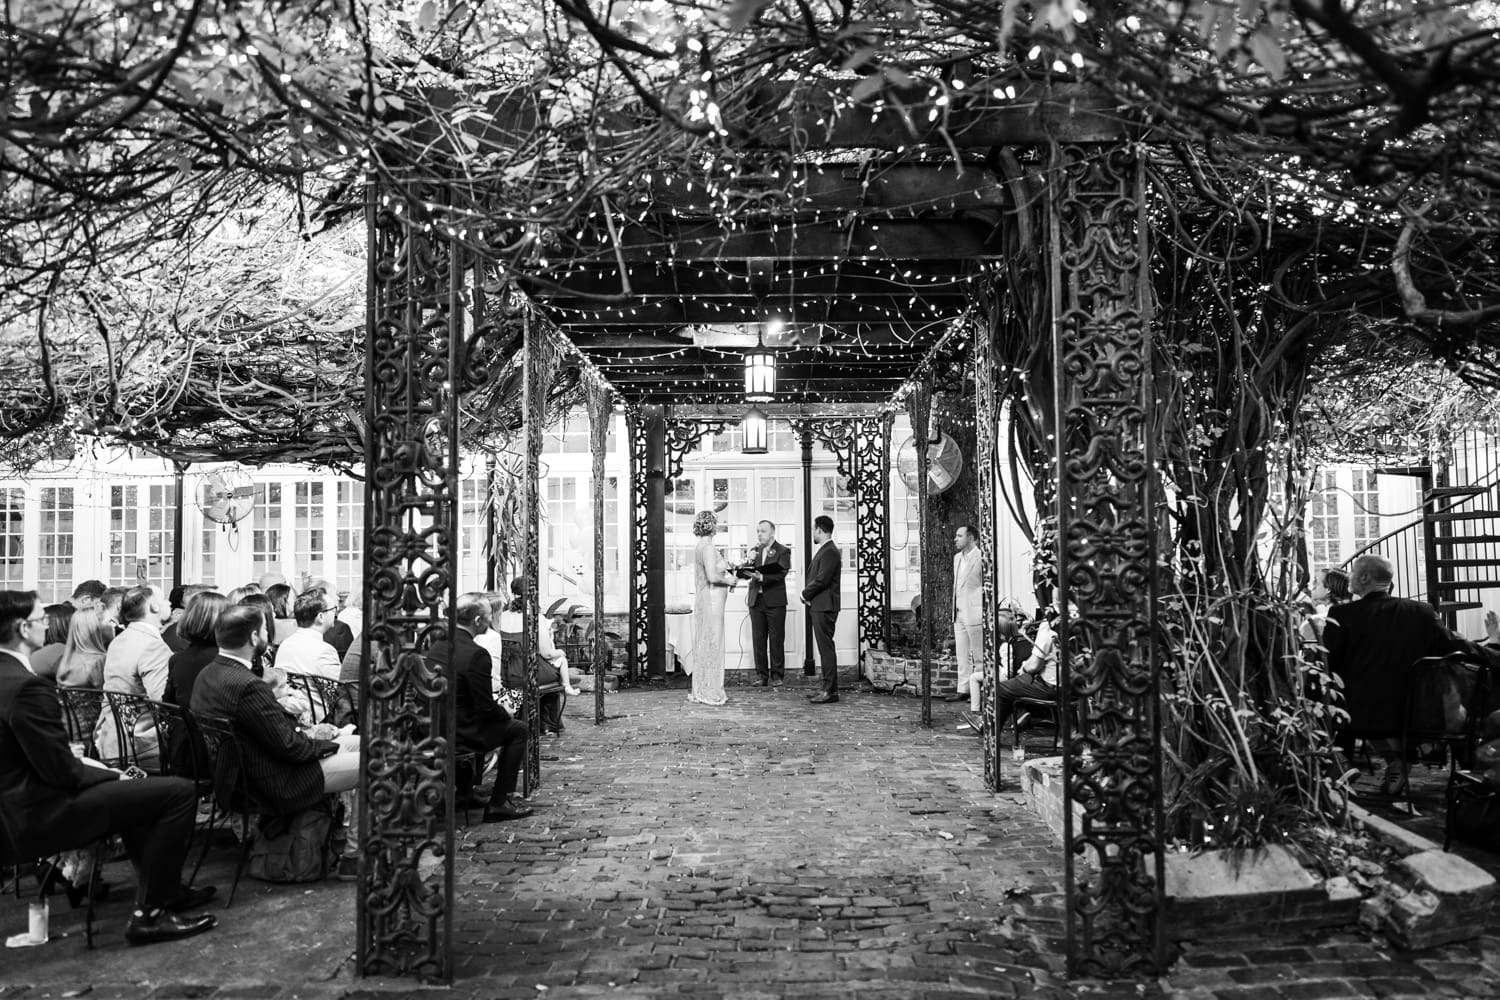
1371,574
472,612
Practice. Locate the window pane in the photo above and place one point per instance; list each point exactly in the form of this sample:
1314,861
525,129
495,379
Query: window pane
12,537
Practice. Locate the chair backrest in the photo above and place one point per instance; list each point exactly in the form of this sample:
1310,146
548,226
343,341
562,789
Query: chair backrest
223,752
1446,696
184,754
133,718
81,708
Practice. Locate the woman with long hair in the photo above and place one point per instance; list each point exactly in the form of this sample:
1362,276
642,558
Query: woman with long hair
82,664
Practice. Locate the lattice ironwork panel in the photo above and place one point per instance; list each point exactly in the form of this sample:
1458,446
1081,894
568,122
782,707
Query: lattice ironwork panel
412,360
640,544
984,423
1106,563
872,484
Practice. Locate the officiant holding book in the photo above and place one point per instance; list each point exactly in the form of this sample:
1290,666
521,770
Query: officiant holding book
766,569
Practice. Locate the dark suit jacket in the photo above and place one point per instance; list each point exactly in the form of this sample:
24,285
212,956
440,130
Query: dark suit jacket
479,719
279,762
822,590
1372,643
340,636
174,640
183,670
39,777
774,563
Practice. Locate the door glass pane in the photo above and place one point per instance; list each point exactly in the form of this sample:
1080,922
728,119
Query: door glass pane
681,507
265,545
55,545
12,536
732,508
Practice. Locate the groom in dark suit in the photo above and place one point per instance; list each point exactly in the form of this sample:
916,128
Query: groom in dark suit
767,603
821,595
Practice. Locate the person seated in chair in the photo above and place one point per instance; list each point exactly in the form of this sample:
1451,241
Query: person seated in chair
52,801
284,769
1372,643
1037,677
481,723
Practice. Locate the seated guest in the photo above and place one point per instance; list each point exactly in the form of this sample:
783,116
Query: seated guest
136,664
109,604
1037,677
178,598
293,699
283,768
552,664
86,595
82,662
304,651
1332,589
1372,642
482,724
52,801
346,626
45,660
282,596
197,630
238,594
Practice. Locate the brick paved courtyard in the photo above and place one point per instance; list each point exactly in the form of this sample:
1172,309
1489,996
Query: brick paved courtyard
766,849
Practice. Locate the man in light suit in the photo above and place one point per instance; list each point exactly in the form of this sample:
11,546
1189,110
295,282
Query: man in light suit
968,614
821,595
767,603
136,663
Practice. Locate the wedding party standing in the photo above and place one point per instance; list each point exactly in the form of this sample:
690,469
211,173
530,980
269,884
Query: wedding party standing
821,595
766,600
713,580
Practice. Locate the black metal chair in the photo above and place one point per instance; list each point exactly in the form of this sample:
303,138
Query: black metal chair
136,727
1037,713
81,710
222,748
10,857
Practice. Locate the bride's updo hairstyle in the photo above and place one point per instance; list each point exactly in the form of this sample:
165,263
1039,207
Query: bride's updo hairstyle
705,523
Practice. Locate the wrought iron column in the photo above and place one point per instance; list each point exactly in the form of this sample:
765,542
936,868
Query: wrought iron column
1106,562
635,432
179,471
598,399
805,434
918,407
984,423
413,347
534,396
491,524
654,608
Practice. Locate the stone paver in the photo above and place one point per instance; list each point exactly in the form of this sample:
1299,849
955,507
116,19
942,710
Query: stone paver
768,849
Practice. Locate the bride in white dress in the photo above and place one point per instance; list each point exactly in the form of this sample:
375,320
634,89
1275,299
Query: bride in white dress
714,581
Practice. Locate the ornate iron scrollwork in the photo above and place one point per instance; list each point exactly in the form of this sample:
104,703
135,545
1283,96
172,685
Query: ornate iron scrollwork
872,484
683,435
540,361
413,353
1106,562
640,544
861,454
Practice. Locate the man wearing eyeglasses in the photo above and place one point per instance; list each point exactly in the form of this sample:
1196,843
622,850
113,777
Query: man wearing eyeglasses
52,801
304,651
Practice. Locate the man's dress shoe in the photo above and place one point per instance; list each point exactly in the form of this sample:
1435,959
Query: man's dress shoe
147,928
499,814
190,898
824,699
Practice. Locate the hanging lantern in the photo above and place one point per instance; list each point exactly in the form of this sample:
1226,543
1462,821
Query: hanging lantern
760,375
754,428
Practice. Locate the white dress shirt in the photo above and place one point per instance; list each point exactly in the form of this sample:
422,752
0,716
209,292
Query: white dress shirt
305,652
